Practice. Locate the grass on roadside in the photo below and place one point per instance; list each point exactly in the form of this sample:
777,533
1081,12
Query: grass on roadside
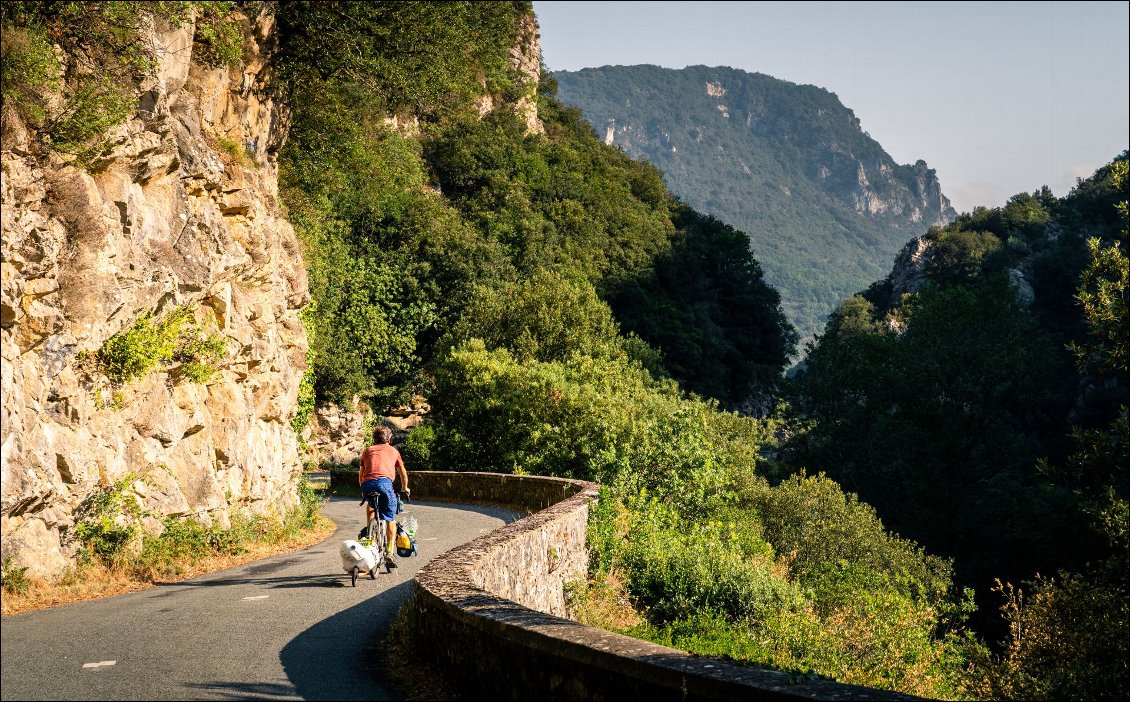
109,565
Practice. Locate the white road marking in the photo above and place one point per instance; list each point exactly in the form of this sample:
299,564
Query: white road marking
257,597
431,539
99,664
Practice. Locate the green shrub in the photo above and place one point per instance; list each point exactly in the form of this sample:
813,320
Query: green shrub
304,515
1067,639
714,585
151,342
821,530
89,109
235,152
107,522
417,448
419,58
545,317
219,34
306,394
602,418
198,355
679,565
109,531
182,542
15,579
136,351
29,71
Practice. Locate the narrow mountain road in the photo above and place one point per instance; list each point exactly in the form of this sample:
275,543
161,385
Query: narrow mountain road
287,627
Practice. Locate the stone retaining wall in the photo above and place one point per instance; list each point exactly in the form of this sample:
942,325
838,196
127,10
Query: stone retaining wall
490,612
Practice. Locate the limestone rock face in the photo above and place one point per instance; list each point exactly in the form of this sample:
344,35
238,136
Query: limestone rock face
525,57
337,435
181,211
908,275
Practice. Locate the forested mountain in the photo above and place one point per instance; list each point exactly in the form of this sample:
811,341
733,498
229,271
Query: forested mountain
481,246
825,207
977,397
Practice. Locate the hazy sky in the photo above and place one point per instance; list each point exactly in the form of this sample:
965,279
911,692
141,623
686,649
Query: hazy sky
999,98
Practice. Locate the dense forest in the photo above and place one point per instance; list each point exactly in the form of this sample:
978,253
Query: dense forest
978,401
825,207
564,314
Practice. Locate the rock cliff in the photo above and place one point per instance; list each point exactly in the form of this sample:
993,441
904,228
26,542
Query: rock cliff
179,215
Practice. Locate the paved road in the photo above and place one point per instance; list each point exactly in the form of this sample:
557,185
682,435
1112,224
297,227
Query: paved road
288,627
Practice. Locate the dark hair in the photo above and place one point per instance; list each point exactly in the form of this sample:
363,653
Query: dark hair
381,434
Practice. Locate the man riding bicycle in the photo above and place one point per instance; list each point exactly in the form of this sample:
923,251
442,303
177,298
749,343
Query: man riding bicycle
380,465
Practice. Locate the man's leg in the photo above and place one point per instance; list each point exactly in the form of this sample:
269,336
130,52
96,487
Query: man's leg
364,533
387,509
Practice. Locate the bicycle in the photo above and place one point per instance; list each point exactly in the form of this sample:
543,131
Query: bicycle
375,533
374,536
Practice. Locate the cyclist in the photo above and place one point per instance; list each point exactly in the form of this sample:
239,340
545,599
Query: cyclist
381,464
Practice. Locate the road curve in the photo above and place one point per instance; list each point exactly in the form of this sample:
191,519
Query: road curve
283,628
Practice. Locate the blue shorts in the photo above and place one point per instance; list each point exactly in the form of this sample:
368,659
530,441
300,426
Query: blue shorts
386,497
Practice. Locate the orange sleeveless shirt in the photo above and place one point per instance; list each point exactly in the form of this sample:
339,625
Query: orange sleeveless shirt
379,461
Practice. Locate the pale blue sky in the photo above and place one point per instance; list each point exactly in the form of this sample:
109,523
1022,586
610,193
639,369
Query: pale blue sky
999,98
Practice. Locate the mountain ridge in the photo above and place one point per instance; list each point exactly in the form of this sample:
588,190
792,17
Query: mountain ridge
789,164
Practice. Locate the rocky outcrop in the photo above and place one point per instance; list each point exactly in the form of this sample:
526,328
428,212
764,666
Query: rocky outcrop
525,61
908,275
336,436
911,273
180,212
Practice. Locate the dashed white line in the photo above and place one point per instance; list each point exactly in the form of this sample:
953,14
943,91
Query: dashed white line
99,664
257,597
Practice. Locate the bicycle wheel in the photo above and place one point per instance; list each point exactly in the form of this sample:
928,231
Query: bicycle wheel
384,547
353,575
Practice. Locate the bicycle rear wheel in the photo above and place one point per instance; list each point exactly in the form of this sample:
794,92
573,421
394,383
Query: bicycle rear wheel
383,540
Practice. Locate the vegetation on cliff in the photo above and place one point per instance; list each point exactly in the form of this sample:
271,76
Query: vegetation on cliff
402,227
132,315
71,106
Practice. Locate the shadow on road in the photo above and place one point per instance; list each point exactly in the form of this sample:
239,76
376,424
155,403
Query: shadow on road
340,658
